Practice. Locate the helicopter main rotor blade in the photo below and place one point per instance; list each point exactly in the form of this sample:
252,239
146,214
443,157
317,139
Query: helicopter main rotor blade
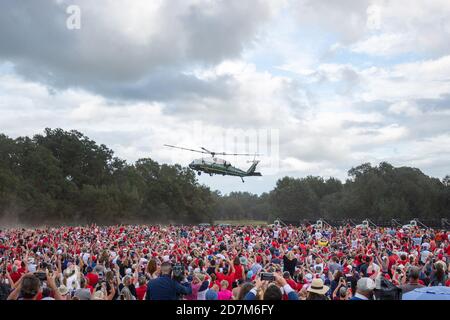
199,151
206,151
230,154
238,154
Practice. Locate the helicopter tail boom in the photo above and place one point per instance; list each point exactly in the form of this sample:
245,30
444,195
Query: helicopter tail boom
251,170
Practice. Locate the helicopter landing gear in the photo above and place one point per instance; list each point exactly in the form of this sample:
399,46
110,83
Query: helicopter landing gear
210,174
199,173
242,180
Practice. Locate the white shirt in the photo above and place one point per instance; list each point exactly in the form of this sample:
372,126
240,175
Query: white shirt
275,234
86,257
417,241
376,267
424,255
32,267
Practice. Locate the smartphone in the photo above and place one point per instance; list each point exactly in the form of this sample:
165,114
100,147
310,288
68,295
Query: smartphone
41,276
267,276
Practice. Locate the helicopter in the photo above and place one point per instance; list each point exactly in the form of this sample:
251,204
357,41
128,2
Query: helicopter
214,165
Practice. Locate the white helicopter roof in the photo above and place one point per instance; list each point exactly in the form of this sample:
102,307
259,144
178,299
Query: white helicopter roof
209,160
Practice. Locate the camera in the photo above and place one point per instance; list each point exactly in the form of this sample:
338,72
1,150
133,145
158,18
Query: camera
267,276
100,284
178,272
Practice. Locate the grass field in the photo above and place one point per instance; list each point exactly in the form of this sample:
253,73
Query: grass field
242,222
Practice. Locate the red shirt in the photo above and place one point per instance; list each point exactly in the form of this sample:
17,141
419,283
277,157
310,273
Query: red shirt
229,278
140,292
432,245
392,259
403,262
292,283
238,272
15,276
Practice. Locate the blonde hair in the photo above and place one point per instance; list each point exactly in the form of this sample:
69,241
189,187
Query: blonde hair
224,283
98,295
126,293
126,280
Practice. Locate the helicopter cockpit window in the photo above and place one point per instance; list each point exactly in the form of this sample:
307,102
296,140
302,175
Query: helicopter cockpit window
219,161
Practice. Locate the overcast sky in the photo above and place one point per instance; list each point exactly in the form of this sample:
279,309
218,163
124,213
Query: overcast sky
333,83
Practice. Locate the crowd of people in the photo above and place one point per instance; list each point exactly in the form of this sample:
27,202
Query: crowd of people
143,262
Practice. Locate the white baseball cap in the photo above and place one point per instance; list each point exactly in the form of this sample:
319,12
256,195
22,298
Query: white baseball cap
365,284
309,277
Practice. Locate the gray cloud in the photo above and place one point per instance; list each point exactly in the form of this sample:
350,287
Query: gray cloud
141,75
104,57
435,104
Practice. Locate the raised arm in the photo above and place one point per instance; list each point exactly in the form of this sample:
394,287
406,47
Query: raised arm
231,266
58,264
52,285
14,295
117,273
111,295
10,280
336,290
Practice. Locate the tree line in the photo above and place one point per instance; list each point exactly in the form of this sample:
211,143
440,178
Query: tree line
65,177
379,193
